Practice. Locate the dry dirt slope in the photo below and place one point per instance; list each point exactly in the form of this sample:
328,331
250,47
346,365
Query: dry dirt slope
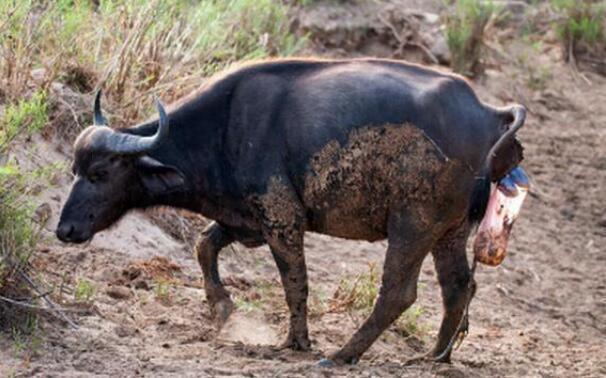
542,313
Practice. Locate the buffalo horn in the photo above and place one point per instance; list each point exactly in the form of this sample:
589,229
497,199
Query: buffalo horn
98,119
129,144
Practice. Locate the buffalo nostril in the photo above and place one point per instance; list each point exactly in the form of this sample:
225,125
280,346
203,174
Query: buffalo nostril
64,231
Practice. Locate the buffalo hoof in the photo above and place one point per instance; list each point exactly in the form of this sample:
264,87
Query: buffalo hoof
428,357
419,359
301,344
221,311
335,360
326,363
440,357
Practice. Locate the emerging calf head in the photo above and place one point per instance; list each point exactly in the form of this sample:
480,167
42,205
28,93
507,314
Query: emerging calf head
113,174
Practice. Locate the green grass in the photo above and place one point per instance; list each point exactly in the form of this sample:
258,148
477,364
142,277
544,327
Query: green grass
581,25
358,294
465,27
27,339
18,233
23,117
84,290
248,305
162,290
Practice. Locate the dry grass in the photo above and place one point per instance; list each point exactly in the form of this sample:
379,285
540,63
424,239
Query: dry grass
134,48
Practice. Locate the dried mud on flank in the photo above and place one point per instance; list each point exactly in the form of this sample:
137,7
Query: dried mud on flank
362,180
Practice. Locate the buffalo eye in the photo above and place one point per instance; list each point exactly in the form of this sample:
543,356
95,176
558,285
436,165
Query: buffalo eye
98,175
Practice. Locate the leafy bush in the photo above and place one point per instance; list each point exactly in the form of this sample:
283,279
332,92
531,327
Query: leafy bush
18,236
26,116
465,27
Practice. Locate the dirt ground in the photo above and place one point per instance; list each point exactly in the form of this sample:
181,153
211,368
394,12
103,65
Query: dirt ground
541,313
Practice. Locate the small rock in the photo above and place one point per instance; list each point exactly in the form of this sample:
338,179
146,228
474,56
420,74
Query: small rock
124,330
439,48
118,292
515,7
43,213
38,74
141,284
43,249
430,18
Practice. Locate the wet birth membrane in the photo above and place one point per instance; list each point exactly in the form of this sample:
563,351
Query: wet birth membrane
504,205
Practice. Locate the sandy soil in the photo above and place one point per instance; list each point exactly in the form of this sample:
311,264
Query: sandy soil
541,313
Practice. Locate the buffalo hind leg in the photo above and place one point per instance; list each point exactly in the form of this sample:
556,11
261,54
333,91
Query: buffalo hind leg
405,254
213,239
453,272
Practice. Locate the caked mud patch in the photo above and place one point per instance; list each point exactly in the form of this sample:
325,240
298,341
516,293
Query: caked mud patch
351,188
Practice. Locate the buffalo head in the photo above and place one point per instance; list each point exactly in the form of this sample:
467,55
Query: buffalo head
113,174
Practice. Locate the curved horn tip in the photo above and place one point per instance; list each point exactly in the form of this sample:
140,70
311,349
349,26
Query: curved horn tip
98,119
159,106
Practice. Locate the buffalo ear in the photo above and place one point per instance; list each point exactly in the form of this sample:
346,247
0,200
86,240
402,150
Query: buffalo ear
506,159
157,177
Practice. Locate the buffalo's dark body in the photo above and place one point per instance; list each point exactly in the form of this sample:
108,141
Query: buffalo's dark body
272,117
271,150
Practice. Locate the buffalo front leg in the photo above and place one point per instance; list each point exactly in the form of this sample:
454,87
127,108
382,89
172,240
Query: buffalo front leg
282,222
213,239
454,275
398,292
293,273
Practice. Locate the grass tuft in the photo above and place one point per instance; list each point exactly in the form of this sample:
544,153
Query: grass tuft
359,294
84,290
465,29
581,25
24,117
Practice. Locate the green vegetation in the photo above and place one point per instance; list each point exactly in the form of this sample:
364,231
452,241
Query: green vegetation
581,27
19,234
245,304
465,27
18,230
25,116
162,290
359,294
26,340
84,290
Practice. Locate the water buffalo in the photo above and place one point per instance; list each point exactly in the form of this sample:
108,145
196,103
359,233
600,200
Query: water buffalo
364,149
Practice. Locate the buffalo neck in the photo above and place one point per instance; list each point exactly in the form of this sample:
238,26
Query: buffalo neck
194,147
